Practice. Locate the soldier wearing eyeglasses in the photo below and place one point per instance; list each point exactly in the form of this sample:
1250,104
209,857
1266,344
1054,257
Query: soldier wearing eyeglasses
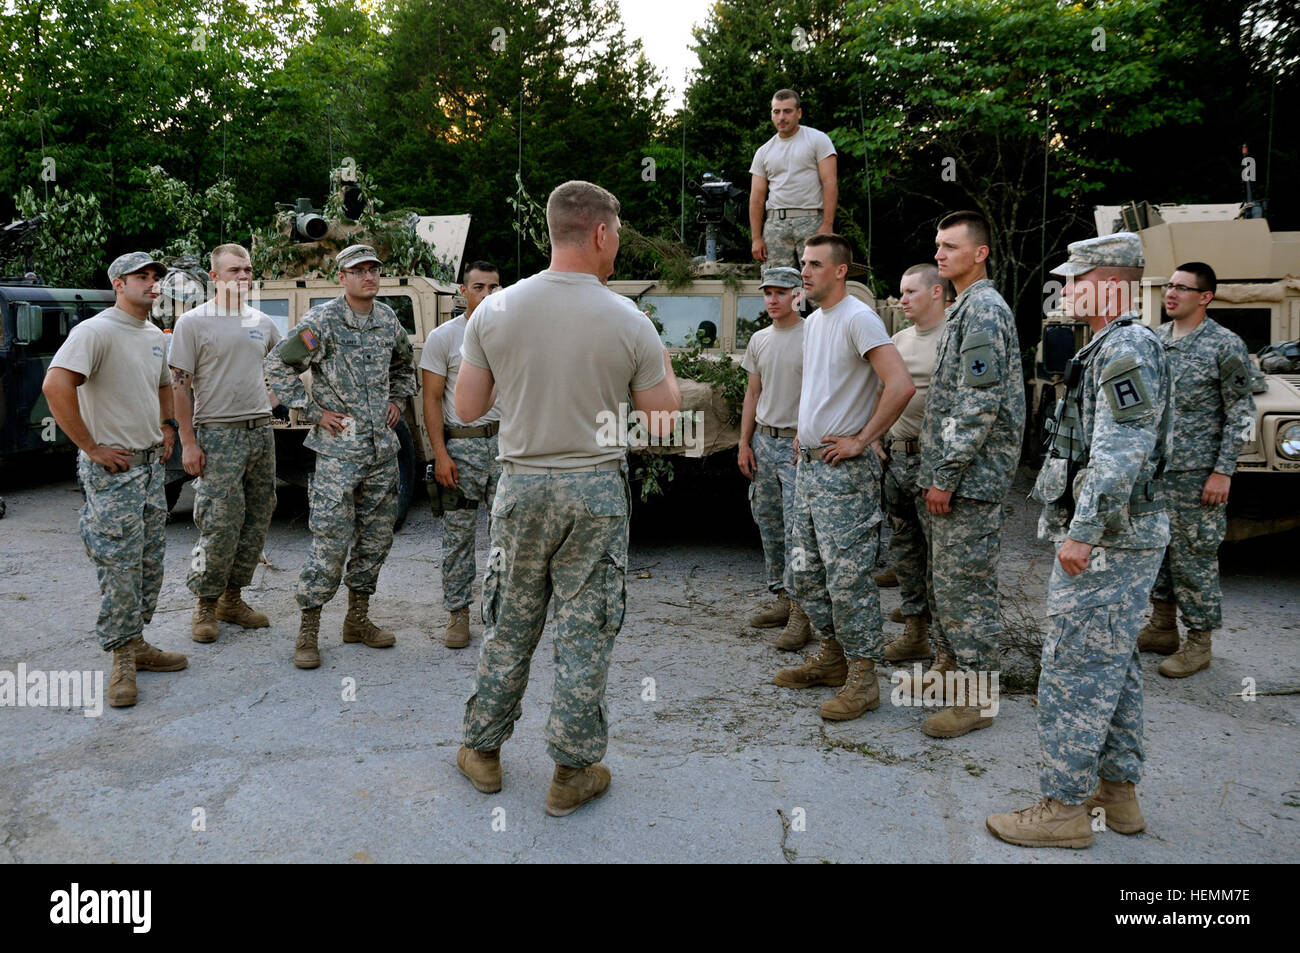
1213,412
361,363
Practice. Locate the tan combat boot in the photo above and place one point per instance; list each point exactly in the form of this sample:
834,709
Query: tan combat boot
357,626
121,681
150,658
914,643
773,614
305,652
573,787
956,721
481,767
1120,802
887,579
231,607
1161,633
457,634
860,694
797,631
1191,658
203,624
1049,823
897,616
942,664
827,667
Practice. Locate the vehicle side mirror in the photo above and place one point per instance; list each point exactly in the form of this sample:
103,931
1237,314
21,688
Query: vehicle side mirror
1060,343
28,322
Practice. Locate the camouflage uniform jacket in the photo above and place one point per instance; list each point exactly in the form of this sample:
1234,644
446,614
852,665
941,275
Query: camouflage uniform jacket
975,410
358,365
1213,406
1125,413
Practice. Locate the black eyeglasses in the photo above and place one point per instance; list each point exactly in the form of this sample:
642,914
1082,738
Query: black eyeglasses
1181,289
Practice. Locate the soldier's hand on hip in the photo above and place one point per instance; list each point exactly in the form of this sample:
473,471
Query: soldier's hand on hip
444,471
835,449
333,422
1074,556
394,414
110,458
746,460
193,459
938,501
879,451
759,250
1216,489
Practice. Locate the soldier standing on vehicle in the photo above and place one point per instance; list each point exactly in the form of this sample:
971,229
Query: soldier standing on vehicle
970,447
1213,413
1101,496
843,409
768,425
224,409
465,467
109,391
360,358
922,297
793,188
563,353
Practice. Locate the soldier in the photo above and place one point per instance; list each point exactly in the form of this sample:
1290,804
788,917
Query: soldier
793,185
360,359
563,353
108,390
847,356
922,298
464,455
768,424
1213,412
970,446
1100,490
224,409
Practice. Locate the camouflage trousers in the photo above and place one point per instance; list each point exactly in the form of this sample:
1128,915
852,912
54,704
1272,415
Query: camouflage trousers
562,533
1189,573
1090,689
837,511
784,238
910,528
353,504
771,500
123,524
963,581
477,473
233,504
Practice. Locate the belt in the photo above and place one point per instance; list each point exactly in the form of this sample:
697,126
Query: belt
778,431
139,458
250,424
460,433
1145,498
784,213
908,446
810,455
509,466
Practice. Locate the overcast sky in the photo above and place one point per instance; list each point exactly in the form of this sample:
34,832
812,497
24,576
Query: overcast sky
664,29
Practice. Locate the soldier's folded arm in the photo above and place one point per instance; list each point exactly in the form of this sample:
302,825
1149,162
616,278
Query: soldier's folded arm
1124,434
896,391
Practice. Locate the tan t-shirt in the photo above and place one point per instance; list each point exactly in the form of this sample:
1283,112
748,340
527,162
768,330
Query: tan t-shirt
839,384
123,361
441,355
224,350
776,356
565,351
790,167
918,349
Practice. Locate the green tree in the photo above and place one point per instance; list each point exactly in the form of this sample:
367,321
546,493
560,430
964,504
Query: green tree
66,247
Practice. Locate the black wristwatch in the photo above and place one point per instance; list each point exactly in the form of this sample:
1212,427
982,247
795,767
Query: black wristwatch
172,422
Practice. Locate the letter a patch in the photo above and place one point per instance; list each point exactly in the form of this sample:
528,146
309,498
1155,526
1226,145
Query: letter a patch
1125,391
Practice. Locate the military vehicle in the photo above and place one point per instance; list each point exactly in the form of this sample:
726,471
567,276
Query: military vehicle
1258,298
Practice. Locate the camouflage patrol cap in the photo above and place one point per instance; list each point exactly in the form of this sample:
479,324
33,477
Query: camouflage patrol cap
355,255
132,262
783,277
1121,249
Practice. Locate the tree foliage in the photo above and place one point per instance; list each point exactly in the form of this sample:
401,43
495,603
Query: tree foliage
65,249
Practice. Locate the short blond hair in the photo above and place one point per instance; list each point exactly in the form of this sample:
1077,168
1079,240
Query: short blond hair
227,249
575,208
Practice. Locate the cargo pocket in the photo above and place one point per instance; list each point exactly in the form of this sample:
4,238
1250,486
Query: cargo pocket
615,592
605,501
1211,525
496,568
210,505
1052,482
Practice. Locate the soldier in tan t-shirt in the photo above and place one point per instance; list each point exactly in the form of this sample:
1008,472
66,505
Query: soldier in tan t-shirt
563,352
109,391
922,294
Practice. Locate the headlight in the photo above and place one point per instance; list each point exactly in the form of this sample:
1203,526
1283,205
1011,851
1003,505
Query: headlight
1288,440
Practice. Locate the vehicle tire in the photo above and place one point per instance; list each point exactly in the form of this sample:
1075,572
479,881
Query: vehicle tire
405,473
